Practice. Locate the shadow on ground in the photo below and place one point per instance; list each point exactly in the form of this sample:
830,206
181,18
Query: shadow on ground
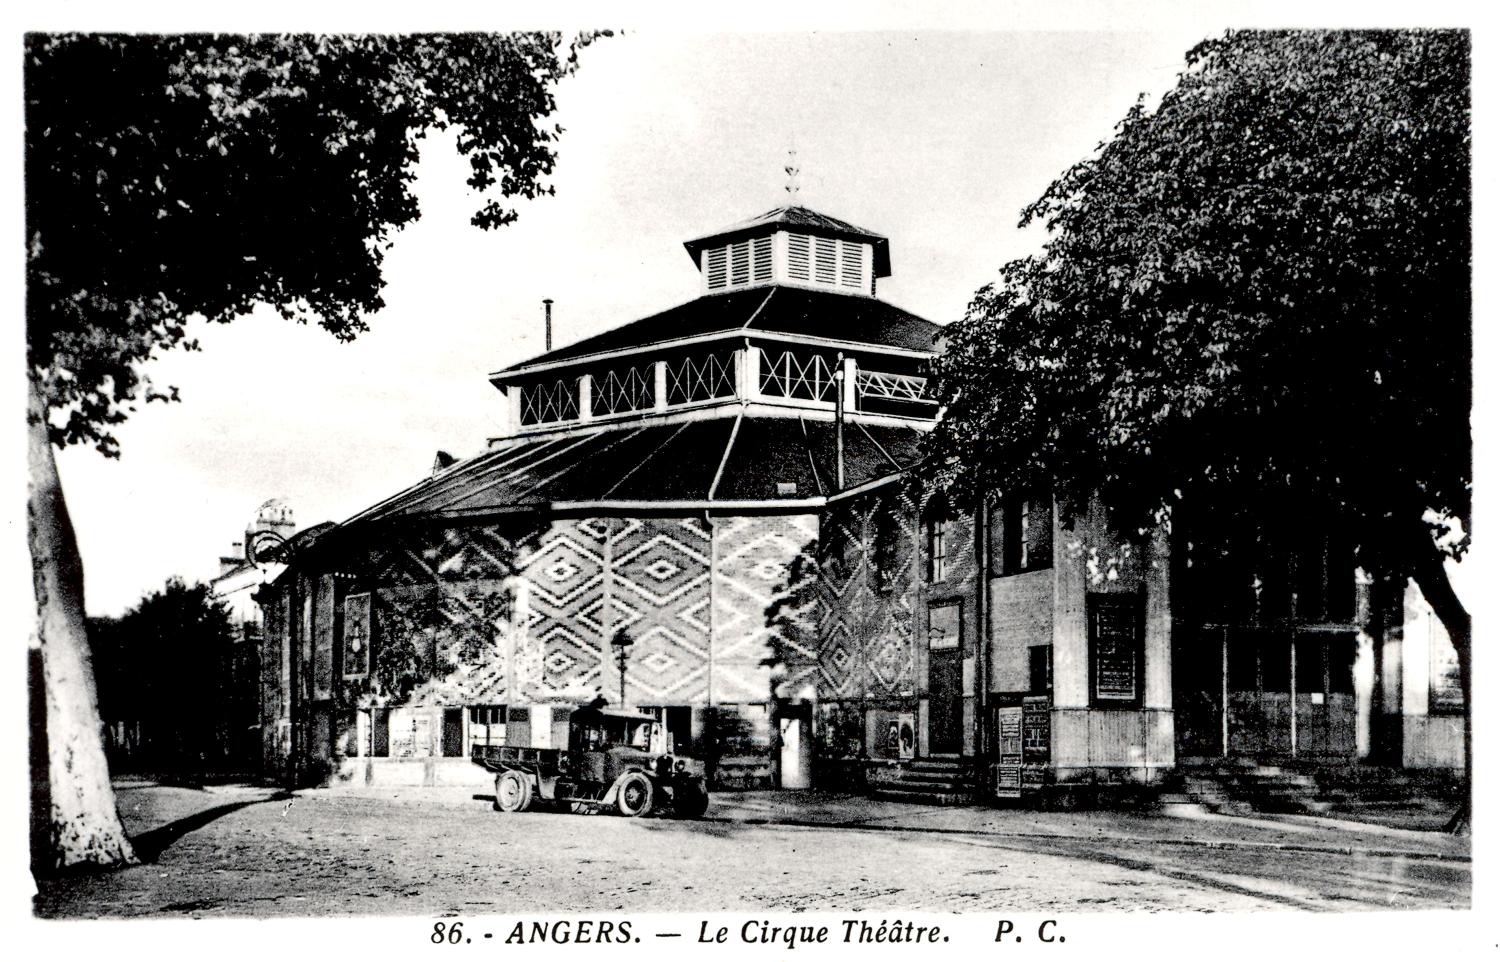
151,844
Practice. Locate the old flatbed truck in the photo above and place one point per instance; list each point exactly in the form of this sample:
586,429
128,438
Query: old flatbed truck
614,759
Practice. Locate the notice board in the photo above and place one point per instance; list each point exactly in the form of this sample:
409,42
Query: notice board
1008,726
1117,635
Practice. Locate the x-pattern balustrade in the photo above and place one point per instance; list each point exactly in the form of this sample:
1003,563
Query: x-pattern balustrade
549,401
793,375
702,378
628,389
896,387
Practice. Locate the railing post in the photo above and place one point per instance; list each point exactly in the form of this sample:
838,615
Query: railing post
850,386
585,398
659,372
513,407
749,372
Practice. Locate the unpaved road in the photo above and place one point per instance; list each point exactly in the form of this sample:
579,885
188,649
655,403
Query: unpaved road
239,851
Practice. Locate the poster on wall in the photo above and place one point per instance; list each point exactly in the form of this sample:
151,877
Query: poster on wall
1036,729
356,647
1008,726
1116,638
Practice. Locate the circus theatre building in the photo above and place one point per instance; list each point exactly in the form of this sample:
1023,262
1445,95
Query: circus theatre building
708,515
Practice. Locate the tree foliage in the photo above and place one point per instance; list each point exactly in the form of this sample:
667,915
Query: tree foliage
168,176
1261,286
167,663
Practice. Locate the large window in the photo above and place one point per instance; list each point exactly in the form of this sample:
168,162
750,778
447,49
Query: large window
937,547
1020,535
486,725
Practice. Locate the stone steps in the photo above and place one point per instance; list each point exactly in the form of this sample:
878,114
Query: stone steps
1239,786
926,781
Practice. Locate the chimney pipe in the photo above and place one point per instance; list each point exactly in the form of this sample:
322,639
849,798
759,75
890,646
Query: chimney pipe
547,309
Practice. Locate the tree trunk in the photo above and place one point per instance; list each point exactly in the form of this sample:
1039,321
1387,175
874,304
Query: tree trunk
1432,578
83,826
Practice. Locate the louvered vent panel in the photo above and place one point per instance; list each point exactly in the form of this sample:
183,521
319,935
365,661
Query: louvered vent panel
762,258
739,263
798,258
718,273
851,264
825,260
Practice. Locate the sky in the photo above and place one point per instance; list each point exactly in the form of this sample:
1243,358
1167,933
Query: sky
935,139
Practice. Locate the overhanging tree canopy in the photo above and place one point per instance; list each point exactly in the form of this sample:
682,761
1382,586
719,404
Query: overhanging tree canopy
1257,291
1262,283
182,175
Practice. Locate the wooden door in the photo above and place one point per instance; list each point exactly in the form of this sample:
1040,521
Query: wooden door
945,672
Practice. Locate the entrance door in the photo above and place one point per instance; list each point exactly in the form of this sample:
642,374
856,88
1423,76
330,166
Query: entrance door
1289,694
945,672
795,725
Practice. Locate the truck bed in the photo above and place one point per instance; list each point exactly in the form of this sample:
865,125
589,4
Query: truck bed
498,758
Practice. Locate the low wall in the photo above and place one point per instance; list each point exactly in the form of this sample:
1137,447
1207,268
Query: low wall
1432,741
410,772
1111,745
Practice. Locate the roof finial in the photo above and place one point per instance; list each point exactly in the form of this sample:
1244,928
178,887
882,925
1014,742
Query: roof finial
792,184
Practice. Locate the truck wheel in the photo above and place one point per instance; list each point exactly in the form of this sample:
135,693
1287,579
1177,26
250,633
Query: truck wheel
689,800
512,792
634,798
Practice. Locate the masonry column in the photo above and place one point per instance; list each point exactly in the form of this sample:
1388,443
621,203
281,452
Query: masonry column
1070,649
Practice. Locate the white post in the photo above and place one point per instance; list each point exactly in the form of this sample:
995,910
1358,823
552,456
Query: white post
585,398
1293,687
851,387
513,407
1224,694
749,386
660,372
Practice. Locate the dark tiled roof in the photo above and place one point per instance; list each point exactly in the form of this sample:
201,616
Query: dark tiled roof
766,311
792,217
805,220
659,463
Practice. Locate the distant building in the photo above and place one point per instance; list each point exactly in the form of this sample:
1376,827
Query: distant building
235,586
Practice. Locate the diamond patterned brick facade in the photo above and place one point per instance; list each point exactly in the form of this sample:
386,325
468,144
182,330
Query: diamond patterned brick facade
482,615
754,556
867,599
463,616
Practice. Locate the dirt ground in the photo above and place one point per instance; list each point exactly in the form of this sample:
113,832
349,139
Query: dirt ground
236,851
